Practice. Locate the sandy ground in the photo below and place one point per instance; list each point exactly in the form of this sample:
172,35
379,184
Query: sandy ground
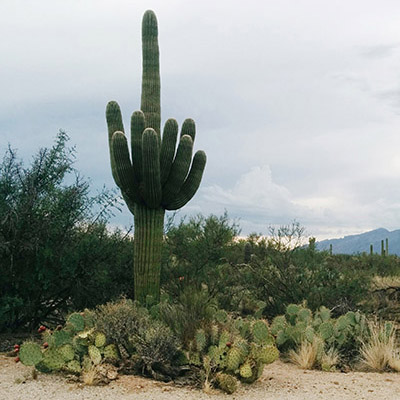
280,381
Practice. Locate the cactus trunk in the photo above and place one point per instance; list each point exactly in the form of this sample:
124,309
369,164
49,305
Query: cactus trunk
149,226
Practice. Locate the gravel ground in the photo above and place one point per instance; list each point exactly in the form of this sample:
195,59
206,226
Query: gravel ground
280,381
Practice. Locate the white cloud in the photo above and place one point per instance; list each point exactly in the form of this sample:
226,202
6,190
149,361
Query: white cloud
254,192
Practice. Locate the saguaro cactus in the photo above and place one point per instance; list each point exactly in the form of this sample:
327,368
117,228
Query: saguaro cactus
153,178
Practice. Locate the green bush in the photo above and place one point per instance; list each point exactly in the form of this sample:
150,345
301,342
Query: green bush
56,253
202,253
156,350
147,345
194,308
120,320
282,271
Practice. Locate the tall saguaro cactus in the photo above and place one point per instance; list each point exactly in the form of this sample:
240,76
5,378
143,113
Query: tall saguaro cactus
153,177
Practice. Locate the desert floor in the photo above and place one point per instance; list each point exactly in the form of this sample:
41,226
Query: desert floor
280,381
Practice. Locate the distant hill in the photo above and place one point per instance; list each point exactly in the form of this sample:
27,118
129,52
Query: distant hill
361,243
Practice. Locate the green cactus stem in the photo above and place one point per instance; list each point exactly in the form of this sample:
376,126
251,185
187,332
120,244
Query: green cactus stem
94,354
157,174
260,332
227,383
30,353
76,322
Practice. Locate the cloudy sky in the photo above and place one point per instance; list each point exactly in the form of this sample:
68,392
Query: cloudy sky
297,102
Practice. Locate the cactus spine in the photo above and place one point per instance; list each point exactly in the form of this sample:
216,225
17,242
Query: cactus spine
153,178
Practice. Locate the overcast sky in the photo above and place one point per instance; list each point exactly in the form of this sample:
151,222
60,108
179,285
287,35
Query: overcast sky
297,102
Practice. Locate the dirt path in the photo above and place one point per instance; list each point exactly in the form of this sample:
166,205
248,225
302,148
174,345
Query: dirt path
279,382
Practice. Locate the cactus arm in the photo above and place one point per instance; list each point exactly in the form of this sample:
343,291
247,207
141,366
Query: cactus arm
137,128
123,167
179,169
191,184
114,119
168,148
151,168
114,123
150,102
189,128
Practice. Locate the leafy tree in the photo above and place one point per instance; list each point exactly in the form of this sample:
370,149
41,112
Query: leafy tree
55,250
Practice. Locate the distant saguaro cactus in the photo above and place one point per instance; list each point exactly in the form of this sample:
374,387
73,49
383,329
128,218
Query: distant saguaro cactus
153,178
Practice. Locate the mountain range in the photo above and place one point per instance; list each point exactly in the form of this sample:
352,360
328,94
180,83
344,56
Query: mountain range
354,244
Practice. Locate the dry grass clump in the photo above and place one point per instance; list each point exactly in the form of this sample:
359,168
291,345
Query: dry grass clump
100,374
305,356
394,363
311,355
330,359
378,350
385,282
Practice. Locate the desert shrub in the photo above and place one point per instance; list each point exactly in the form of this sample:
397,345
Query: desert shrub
193,309
147,345
56,253
375,264
281,271
120,320
103,261
156,350
384,297
201,252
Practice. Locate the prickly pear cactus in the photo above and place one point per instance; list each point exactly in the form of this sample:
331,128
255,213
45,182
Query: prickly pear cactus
300,325
30,354
153,177
227,383
235,349
74,348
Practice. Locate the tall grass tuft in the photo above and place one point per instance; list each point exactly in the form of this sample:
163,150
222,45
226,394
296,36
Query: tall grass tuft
378,350
306,355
